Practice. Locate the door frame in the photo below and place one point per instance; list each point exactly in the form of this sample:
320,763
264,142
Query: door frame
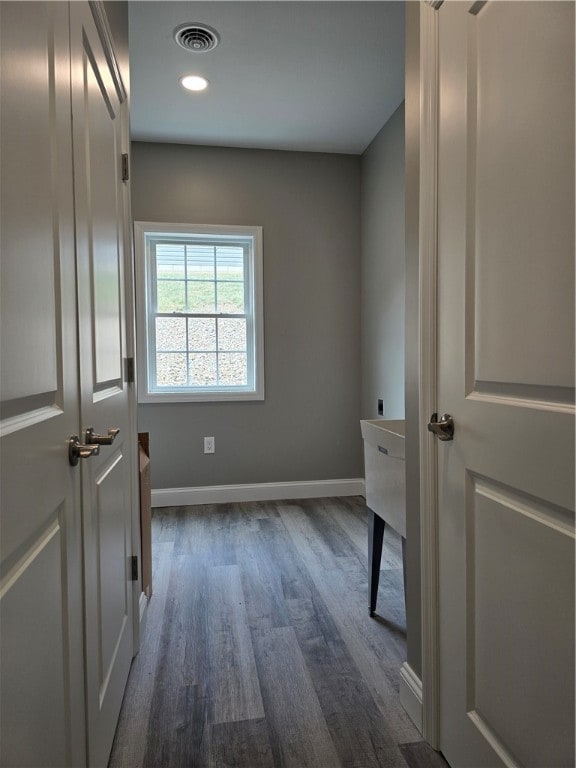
427,361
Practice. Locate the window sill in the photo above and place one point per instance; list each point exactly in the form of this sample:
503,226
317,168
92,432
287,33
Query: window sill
200,397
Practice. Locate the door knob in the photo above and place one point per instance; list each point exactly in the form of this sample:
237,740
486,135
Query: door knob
91,437
78,450
443,429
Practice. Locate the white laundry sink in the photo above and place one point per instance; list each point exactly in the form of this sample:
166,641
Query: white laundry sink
384,461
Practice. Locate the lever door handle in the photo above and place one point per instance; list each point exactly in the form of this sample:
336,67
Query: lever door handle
91,437
78,450
443,429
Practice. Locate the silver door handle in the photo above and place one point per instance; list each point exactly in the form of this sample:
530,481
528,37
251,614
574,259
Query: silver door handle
78,450
443,429
91,437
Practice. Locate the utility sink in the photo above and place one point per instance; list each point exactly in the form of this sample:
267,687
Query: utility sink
384,460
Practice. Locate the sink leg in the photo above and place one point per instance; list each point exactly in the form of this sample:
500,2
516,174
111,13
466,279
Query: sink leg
404,571
375,538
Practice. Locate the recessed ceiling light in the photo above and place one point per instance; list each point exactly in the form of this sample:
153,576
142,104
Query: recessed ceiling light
194,83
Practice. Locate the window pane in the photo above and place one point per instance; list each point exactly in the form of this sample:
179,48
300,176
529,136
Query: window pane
170,261
171,296
201,297
170,370
170,334
232,369
202,334
232,335
230,263
231,298
202,370
200,262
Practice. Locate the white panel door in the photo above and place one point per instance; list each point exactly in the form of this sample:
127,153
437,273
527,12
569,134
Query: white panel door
41,654
99,109
506,375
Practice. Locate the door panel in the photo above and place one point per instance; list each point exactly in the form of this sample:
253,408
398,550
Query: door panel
28,661
506,375
514,540
99,109
41,655
29,93
514,226
112,557
105,151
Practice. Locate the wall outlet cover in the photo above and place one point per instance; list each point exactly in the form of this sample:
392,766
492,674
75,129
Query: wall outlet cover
209,445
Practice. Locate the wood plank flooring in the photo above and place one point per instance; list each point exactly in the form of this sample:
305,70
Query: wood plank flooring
258,651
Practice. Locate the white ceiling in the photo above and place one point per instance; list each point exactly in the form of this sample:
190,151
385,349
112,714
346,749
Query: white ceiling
311,76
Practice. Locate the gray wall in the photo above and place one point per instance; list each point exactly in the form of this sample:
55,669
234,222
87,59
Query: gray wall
413,591
390,301
383,273
308,204
117,15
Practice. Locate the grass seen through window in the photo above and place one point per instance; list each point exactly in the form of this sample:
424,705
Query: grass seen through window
200,295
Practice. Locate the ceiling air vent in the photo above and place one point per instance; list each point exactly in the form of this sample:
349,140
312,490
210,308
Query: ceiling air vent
196,37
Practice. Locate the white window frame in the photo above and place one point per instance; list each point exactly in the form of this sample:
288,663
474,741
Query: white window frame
145,314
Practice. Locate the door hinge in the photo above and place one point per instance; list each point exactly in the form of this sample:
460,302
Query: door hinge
125,167
129,370
134,568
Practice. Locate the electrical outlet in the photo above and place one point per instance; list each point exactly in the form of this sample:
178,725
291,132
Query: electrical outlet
209,445
380,407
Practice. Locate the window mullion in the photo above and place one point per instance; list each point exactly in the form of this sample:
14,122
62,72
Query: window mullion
187,304
151,315
215,252
224,315
249,312
186,276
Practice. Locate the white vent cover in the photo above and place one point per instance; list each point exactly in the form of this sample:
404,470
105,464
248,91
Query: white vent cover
196,37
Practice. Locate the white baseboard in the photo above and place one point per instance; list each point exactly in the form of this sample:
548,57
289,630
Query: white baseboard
142,605
218,494
411,694
140,615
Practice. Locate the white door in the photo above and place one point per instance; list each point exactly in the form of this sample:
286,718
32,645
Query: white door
98,110
41,655
506,376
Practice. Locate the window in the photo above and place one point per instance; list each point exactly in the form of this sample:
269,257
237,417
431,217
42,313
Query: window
199,312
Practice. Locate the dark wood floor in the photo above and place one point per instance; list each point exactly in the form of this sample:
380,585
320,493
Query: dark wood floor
258,650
